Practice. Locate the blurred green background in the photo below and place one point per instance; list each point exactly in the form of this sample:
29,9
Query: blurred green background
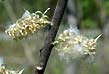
90,16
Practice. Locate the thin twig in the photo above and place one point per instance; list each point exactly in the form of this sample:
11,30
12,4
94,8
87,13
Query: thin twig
46,50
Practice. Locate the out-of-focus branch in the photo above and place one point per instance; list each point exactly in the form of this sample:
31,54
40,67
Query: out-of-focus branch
102,17
9,10
79,13
102,21
46,50
28,53
16,6
74,11
17,60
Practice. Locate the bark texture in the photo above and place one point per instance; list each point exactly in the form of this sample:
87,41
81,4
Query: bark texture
46,50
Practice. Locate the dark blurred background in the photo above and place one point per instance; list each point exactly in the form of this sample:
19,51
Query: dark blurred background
91,17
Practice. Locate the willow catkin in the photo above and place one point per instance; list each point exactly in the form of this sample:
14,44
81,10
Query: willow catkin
4,70
70,44
28,24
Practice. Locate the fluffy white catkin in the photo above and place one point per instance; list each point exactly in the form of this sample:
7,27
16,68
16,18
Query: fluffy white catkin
71,44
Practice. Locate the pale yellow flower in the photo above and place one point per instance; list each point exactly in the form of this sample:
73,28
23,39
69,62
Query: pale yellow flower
28,24
78,39
74,45
3,70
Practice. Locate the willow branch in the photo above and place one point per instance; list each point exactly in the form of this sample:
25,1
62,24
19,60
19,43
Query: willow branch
46,50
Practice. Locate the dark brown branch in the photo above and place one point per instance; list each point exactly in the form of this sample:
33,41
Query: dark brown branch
46,50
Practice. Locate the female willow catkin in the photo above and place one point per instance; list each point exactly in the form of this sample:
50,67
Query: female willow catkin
28,24
4,70
71,44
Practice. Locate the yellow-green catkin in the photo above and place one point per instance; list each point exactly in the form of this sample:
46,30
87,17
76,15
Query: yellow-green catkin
28,24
